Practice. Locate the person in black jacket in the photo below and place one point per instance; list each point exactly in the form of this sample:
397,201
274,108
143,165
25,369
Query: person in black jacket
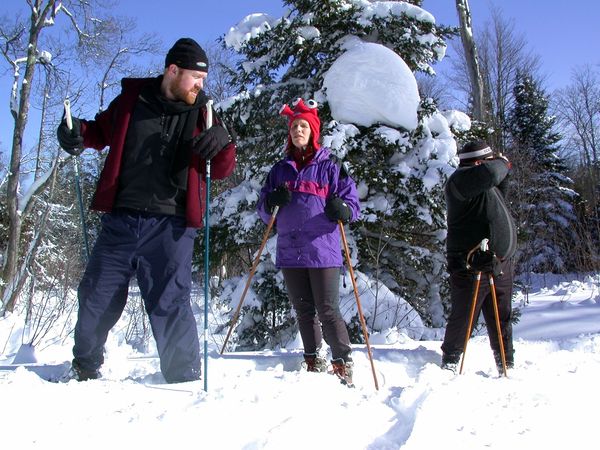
476,210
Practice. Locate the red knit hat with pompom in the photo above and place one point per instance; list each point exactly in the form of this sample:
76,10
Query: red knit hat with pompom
307,111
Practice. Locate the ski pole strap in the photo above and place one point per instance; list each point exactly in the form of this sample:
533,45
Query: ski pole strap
482,246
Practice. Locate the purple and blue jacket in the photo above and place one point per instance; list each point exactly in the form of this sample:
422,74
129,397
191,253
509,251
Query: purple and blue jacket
305,236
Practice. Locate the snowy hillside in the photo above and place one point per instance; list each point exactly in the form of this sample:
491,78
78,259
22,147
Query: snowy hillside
263,401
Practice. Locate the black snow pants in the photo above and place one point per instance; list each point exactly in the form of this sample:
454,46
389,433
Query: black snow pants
158,250
462,284
315,294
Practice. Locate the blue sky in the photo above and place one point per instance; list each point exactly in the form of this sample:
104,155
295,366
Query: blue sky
563,36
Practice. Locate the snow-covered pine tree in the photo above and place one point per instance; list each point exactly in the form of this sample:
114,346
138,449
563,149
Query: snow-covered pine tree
541,193
399,172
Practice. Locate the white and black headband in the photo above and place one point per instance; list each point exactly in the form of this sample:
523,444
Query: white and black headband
476,154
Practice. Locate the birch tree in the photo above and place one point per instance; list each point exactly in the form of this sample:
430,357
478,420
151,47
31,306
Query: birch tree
21,51
502,52
471,57
55,36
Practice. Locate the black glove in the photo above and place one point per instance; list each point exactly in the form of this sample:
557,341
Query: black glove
70,140
279,197
484,261
210,142
337,209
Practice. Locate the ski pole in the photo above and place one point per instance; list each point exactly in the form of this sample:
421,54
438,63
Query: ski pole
209,120
360,313
252,270
483,246
471,318
69,120
500,340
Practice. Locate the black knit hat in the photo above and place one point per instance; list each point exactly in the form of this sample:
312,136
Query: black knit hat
474,151
187,54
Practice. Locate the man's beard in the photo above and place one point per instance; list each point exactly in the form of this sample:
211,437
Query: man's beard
187,96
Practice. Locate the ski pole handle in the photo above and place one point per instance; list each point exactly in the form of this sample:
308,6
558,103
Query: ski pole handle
209,114
68,117
484,245
209,122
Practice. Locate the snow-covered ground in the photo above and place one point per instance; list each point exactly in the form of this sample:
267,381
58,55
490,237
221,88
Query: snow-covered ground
262,400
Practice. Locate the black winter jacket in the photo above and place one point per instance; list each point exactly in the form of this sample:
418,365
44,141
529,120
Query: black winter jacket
476,210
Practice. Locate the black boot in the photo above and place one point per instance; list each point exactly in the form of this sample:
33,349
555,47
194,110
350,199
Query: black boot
510,361
450,361
80,374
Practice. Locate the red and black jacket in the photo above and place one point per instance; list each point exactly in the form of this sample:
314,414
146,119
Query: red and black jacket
109,128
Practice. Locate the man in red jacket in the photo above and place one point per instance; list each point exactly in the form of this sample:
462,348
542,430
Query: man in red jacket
152,191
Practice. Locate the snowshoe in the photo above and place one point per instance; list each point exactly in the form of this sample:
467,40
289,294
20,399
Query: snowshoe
451,366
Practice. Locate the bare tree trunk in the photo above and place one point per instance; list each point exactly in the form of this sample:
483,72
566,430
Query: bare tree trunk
106,37
14,230
17,281
38,159
468,42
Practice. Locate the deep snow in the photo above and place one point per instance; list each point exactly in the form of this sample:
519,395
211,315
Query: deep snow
261,400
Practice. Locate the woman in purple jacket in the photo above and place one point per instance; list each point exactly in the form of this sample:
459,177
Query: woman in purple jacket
313,192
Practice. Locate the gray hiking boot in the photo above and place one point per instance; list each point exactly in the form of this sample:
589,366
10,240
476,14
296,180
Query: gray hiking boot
314,363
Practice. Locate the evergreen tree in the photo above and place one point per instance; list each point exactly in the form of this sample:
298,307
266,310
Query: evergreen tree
543,197
400,239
